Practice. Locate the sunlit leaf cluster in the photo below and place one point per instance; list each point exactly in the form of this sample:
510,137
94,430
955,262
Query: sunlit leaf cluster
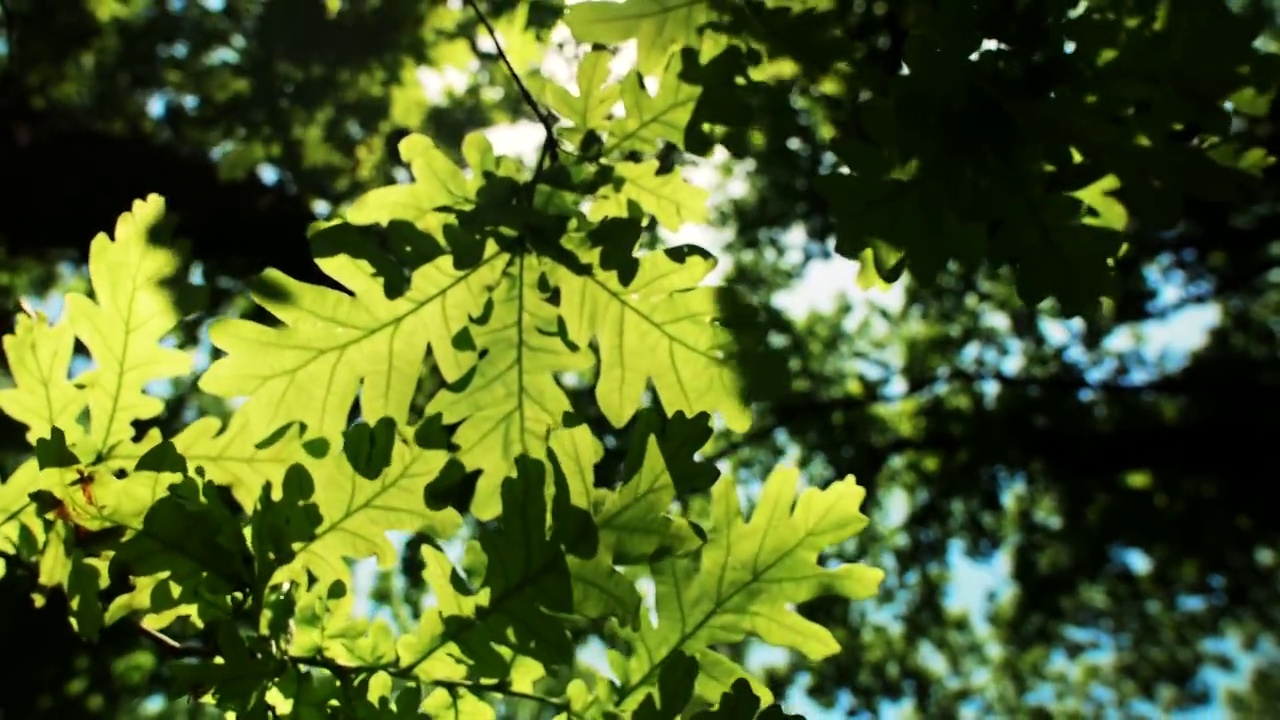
431,388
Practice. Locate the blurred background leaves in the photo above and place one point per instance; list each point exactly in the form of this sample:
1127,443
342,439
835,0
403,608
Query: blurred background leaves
1069,496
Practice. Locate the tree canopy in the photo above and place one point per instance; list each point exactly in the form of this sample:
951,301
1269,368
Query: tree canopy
519,301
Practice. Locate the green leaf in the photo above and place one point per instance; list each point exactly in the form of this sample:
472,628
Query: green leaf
163,458
1108,212
324,627
512,401
681,438
651,120
591,106
627,525
280,527
241,680
478,635
740,701
232,455
132,312
53,452
600,590
527,570
748,577
675,689
616,238
98,501
358,512
634,521
669,198
134,285
437,184
879,266
506,630
660,327
42,398
368,447
85,580
448,635
321,615
391,253
188,553
22,530
660,26
478,152
334,346
520,41
453,703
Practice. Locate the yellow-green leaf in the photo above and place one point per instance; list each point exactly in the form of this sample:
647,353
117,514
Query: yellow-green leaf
660,328
668,198
750,576
123,326
660,27
358,513
333,345
40,361
512,402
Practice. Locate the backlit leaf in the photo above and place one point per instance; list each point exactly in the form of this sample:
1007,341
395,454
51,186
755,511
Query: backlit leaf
660,328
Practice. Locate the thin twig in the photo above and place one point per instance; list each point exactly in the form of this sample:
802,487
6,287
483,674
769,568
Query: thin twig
406,674
344,672
549,149
173,647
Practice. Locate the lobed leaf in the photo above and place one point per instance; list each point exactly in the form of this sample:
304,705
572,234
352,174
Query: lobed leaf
43,397
123,328
438,184
235,454
659,26
124,325
669,198
747,580
357,512
185,555
634,521
651,120
591,106
659,327
478,635
511,402
334,346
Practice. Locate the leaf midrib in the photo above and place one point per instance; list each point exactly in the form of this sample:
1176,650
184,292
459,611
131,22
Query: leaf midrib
721,603
392,321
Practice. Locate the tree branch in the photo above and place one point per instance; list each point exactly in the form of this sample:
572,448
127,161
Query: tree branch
497,688
175,648
178,650
549,149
